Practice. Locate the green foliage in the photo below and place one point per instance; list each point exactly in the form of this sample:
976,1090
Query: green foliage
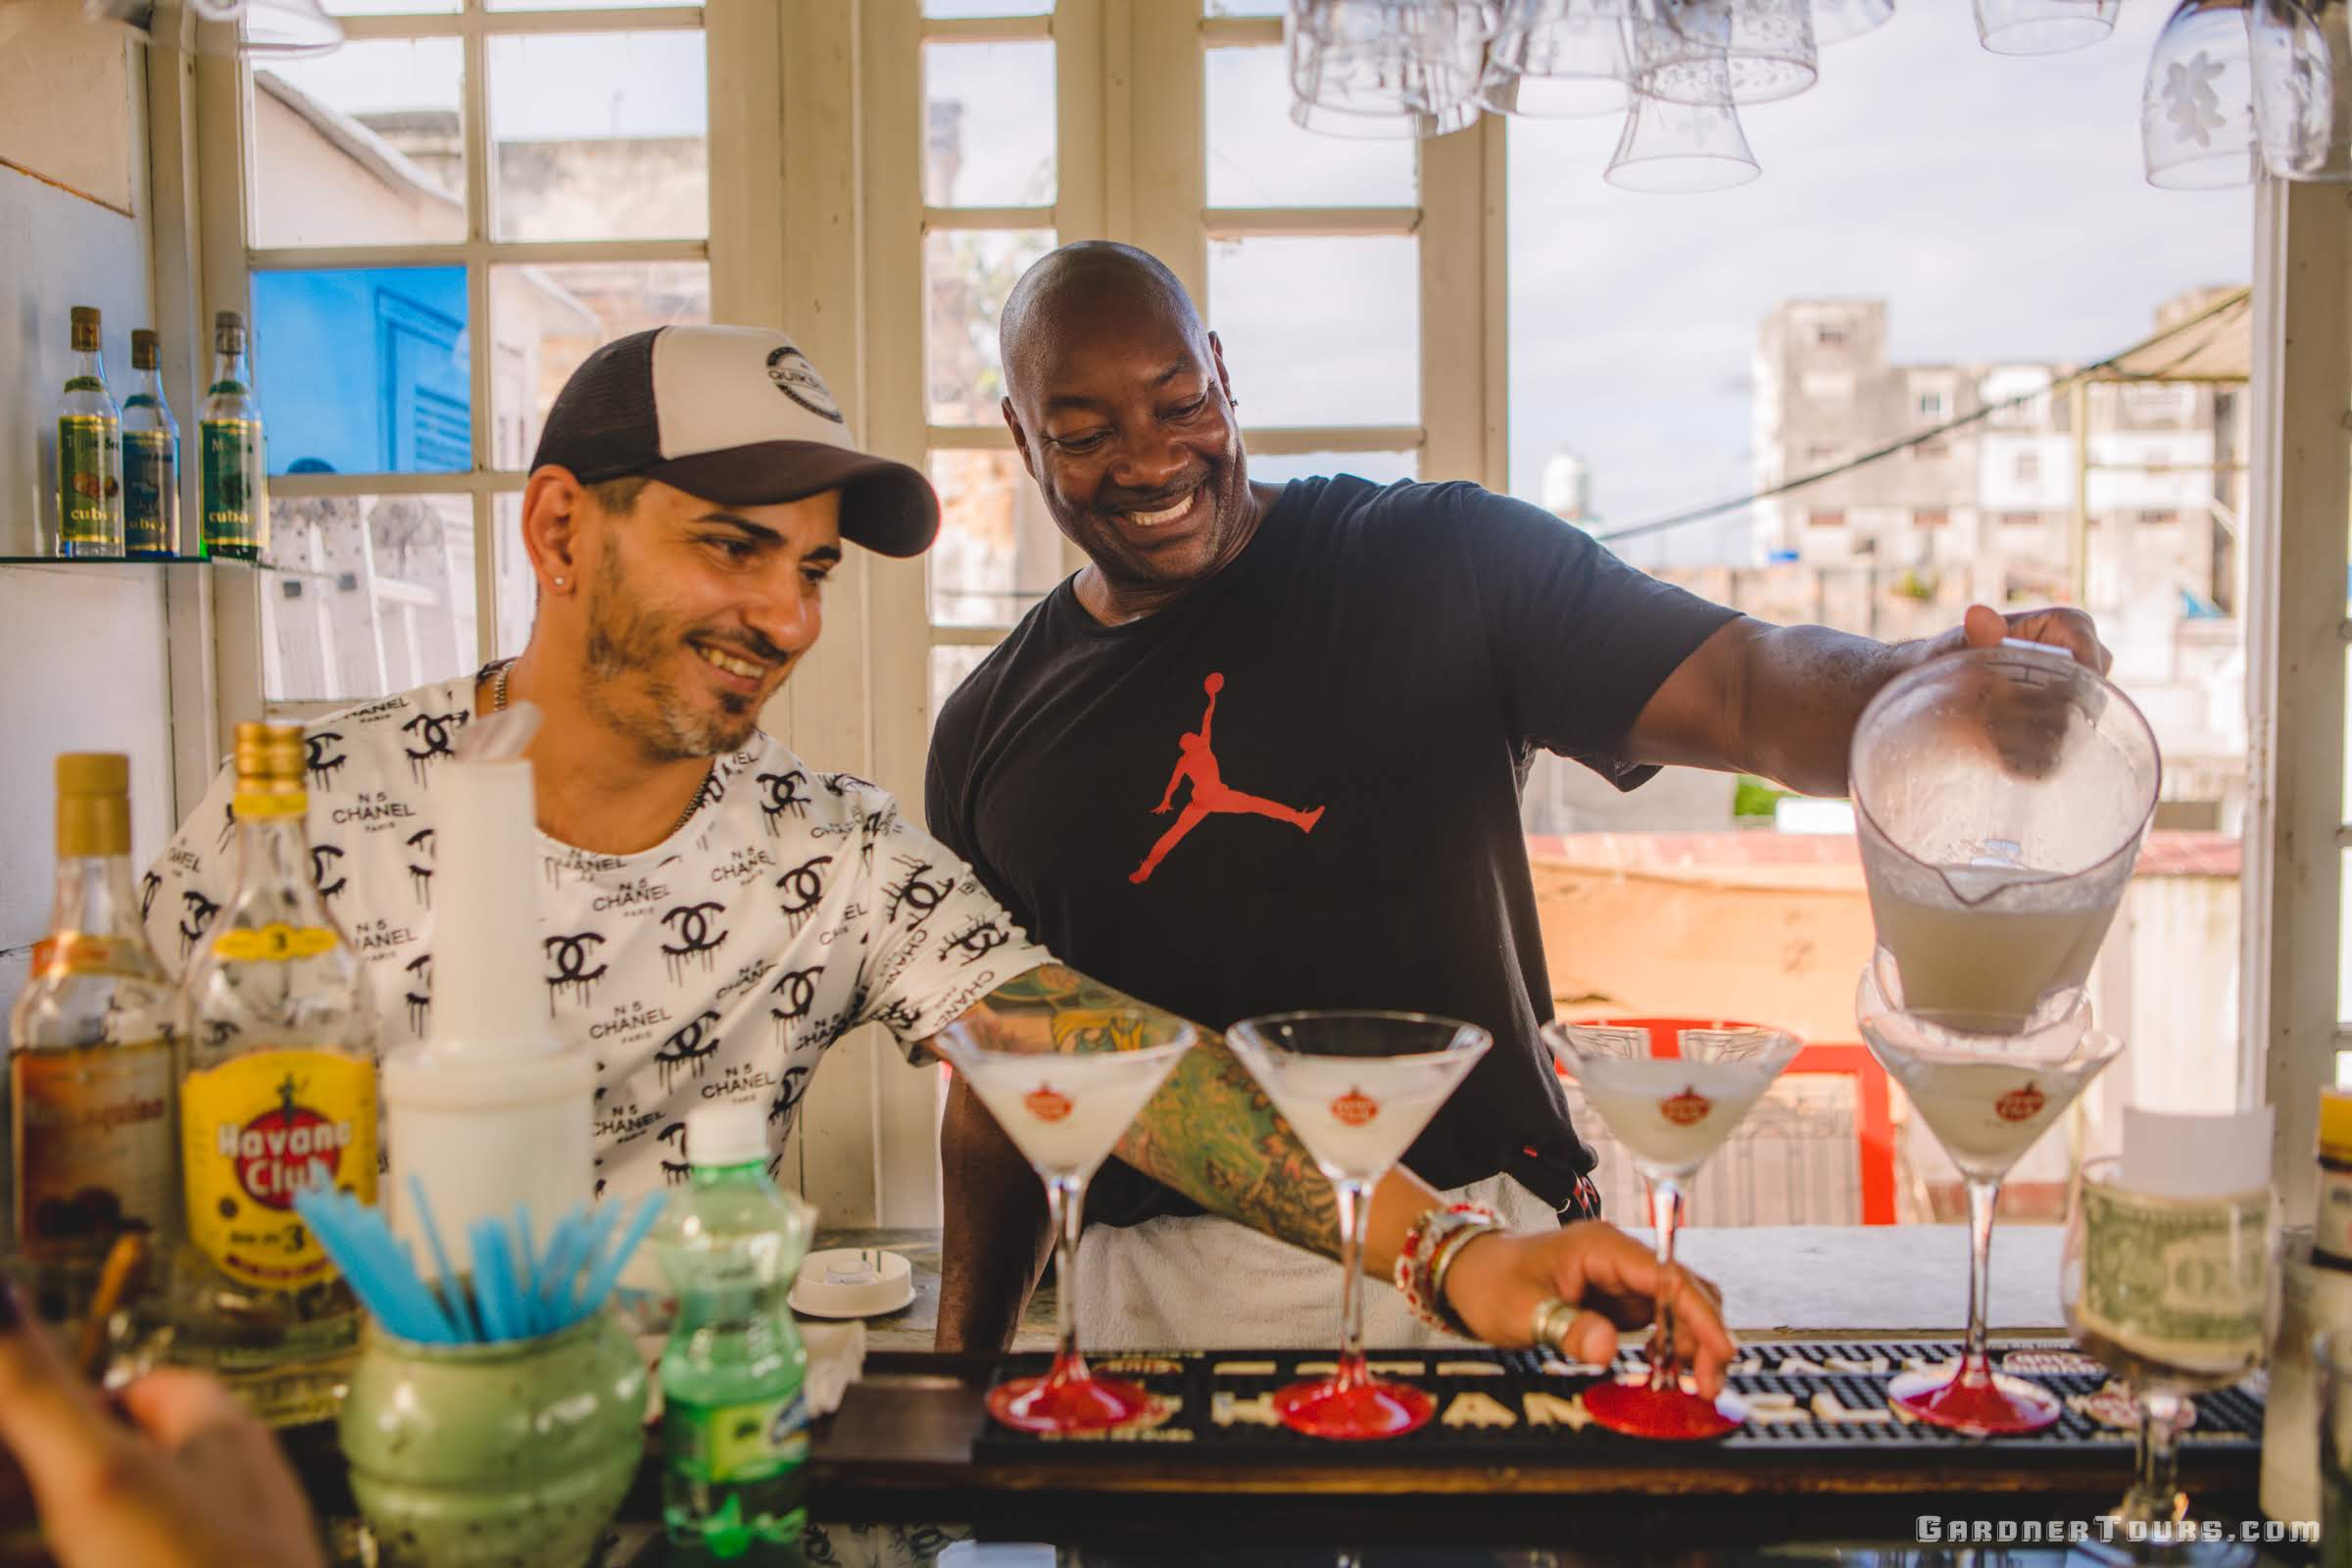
1755,796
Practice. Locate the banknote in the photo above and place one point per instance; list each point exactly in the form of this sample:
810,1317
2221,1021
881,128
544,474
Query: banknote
2177,1282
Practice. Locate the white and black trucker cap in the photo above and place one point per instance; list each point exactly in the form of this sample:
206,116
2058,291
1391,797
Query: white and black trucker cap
735,415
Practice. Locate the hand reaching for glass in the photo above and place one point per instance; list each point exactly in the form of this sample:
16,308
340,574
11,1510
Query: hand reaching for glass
194,1483
1500,1281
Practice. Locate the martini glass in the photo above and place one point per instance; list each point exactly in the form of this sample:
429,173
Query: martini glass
1988,1084
1671,1097
1357,1088
1065,1112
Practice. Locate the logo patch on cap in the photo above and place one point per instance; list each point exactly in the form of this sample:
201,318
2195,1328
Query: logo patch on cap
798,380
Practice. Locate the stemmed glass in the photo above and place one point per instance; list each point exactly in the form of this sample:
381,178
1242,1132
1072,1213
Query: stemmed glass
1988,1087
1358,1086
2043,26
1065,1110
2172,1296
1671,1095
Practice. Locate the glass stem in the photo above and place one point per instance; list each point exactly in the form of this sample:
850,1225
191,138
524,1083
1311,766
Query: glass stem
1976,1368
1355,1212
1665,1212
1065,1207
2156,1497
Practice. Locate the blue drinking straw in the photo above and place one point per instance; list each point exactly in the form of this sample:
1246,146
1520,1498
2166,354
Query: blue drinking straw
561,1261
600,1283
483,1238
452,1292
594,1228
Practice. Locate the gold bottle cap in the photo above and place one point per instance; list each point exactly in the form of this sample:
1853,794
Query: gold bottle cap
85,328
271,760
93,803
2335,1123
145,349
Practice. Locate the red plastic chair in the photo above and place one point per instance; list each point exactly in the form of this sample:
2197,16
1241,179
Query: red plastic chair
1873,1124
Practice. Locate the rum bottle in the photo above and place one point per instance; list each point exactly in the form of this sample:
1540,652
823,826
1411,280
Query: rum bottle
89,451
89,1060
277,1092
150,459
235,482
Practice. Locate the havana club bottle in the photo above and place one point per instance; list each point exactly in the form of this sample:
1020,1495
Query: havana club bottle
150,458
89,451
89,1063
234,481
277,1092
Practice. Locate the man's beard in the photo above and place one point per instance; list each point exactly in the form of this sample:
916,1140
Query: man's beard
626,643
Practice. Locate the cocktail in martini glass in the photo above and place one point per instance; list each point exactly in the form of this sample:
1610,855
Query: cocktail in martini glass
1988,1086
1671,1097
1065,1112
1357,1088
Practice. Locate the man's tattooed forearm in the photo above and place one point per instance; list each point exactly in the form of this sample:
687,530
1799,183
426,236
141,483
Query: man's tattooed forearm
1210,1132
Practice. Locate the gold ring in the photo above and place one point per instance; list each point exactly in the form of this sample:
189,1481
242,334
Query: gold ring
1554,1318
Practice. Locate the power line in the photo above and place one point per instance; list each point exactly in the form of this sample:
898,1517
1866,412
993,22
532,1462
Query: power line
1717,509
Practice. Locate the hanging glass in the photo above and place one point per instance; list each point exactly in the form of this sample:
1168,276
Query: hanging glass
1763,49
2197,111
2043,26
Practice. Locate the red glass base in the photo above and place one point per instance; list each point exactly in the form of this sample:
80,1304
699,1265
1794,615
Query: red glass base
1327,1410
1054,1406
1640,1411
1989,1406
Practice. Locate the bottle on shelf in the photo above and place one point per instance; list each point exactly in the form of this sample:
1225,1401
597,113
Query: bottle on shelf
277,1091
89,451
735,1417
235,477
150,459
93,1145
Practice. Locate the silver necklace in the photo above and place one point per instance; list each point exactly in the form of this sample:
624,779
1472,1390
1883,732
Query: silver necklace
498,703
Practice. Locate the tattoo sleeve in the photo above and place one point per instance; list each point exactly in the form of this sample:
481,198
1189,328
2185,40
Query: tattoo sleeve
1210,1132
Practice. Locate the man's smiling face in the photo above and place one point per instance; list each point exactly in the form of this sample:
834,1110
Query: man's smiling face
1122,413
697,612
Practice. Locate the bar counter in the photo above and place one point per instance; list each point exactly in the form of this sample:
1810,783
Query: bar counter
900,1471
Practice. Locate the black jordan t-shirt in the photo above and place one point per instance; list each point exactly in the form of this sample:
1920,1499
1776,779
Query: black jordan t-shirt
1298,785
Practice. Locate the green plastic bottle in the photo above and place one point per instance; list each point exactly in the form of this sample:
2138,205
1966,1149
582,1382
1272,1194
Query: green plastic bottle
735,1418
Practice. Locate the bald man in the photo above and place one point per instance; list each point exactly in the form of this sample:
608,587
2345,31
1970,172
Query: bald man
1265,752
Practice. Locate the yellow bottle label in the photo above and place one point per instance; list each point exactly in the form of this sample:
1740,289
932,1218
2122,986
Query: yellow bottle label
93,1146
274,943
256,1129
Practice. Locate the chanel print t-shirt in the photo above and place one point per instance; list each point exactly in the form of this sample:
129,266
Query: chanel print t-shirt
719,964
1298,786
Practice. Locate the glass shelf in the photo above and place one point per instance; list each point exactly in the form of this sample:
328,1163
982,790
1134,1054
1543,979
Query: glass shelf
79,562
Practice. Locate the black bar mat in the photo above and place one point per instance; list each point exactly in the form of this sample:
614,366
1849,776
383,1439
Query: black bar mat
1506,1405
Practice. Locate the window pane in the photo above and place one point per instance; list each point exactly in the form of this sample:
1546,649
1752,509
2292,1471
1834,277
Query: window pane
1381,468
997,552
1320,331
364,146
377,596
1259,157
600,136
364,369
948,668
516,589
548,319
966,274
988,117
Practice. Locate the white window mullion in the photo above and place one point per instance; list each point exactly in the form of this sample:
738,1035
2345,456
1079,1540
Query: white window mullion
1463,306
482,340
2301,496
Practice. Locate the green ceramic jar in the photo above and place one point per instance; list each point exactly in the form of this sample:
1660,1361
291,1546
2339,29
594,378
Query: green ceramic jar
515,1453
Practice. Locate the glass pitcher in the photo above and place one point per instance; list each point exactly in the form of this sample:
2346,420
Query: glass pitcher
2000,795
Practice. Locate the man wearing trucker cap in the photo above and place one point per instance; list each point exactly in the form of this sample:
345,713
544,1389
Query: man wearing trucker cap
716,912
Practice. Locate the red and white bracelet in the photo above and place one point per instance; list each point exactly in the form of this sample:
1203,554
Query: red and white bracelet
1431,1244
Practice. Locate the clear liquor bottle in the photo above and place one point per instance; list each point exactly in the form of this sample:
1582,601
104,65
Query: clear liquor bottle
236,478
89,451
277,1092
93,1145
150,459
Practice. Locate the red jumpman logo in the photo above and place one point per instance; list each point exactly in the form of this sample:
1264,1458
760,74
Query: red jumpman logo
1209,792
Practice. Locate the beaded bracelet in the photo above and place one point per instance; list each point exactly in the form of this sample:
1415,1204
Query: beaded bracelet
1430,1245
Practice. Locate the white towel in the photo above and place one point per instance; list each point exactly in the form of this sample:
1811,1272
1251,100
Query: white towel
1201,1283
